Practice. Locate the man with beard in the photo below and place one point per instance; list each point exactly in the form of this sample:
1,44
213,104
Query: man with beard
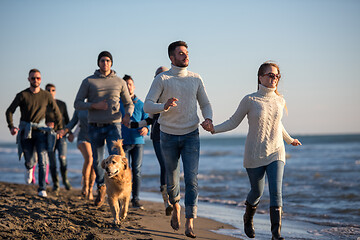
100,94
32,132
175,94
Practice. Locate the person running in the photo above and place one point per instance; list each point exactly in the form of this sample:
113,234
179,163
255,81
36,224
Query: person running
264,147
60,145
134,141
100,94
80,117
33,134
175,95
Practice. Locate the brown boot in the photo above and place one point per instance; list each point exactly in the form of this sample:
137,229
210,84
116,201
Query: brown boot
100,199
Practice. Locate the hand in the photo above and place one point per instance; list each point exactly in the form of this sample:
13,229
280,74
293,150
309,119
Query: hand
143,131
50,124
296,143
14,130
171,102
62,132
71,137
126,120
207,125
102,105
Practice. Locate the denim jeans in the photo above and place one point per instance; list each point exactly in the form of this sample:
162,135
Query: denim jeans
38,143
134,153
274,172
61,147
188,147
98,135
160,158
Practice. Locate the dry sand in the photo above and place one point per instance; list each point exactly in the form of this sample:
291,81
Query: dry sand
24,215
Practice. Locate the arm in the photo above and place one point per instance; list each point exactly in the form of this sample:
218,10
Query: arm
204,102
235,119
144,130
9,114
58,116
286,136
79,103
288,139
151,105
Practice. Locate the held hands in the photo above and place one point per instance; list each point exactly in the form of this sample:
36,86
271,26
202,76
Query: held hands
207,125
296,142
171,102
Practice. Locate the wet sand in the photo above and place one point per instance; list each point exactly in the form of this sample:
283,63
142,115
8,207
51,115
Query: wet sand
24,215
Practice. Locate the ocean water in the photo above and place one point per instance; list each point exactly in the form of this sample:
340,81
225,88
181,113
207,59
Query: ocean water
321,186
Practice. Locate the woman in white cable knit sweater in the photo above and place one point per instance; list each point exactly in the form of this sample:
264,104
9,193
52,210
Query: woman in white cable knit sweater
264,147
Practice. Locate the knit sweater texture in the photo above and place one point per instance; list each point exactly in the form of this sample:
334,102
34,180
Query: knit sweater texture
98,87
264,142
186,86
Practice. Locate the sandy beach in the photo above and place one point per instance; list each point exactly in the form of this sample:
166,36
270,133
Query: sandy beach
24,215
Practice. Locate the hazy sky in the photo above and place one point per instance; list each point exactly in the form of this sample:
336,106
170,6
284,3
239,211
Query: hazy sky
315,42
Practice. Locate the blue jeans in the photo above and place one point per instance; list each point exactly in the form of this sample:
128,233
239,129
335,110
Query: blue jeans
98,135
160,158
61,147
274,172
134,153
37,142
188,147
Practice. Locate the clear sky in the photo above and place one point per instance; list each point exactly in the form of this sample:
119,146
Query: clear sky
315,42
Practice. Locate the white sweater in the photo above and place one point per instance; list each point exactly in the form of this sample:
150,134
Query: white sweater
186,86
264,142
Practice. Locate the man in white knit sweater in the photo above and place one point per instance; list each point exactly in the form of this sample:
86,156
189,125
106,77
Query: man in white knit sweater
175,94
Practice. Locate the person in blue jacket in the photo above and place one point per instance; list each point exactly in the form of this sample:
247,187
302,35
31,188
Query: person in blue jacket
134,141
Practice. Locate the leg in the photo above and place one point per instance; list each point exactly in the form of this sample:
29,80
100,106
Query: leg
115,209
87,171
124,207
113,133
257,182
136,163
42,153
168,206
171,154
62,150
28,146
97,138
275,172
53,171
190,156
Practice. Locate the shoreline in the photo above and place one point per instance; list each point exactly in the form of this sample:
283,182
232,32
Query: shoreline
68,216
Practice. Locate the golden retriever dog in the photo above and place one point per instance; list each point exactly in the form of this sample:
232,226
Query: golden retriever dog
118,182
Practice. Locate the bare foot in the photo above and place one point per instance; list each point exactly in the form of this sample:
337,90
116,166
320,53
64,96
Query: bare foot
175,218
189,228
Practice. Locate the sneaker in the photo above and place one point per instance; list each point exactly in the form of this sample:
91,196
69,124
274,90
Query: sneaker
42,193
136,204
29,176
